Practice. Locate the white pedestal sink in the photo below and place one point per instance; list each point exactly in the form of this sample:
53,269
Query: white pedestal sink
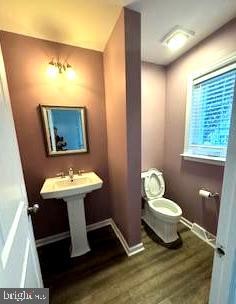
73,193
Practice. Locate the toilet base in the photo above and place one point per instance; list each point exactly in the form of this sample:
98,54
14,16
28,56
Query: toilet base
173,245
167,232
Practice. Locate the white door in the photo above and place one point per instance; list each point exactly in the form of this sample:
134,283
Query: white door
19,265
223,288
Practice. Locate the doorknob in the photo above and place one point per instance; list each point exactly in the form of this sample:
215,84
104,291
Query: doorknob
32,210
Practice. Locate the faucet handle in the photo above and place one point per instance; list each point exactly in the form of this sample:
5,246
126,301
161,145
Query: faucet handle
70,171
61,174
80,172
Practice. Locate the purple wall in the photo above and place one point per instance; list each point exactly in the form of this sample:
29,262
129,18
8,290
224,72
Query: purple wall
122,60
185,178
115,91
164,93
153,115
26,60
133,118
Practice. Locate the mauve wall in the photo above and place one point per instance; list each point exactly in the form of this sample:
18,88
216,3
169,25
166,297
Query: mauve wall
123,107
26,61
133,117
153,115
115,91
185,178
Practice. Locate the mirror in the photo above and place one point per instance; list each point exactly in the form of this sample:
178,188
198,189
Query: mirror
65,129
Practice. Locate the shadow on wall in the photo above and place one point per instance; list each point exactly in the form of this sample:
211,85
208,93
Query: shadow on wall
57,33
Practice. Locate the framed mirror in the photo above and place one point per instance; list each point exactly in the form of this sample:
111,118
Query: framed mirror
65,129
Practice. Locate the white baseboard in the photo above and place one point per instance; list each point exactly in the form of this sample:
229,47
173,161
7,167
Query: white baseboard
60,236
186,222
64,235
129,250
200,232
98,225
52,238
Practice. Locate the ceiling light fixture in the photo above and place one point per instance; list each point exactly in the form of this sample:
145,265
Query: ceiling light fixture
56,67
176,38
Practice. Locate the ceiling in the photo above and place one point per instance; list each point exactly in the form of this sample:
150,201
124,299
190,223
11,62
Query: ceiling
160,16
88,23
84,23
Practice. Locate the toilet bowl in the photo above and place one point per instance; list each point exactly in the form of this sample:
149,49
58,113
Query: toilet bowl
160,214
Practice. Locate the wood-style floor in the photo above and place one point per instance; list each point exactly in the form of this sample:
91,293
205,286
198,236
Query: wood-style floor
106,275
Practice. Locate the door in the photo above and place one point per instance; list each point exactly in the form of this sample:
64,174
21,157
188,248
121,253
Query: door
19,265
223,288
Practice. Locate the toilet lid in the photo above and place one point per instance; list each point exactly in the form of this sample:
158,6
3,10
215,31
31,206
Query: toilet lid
154,185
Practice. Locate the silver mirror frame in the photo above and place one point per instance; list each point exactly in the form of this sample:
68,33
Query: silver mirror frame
50,152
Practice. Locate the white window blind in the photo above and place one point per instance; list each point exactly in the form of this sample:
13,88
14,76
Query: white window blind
211,106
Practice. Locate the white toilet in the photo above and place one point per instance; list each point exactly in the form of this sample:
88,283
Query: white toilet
160,214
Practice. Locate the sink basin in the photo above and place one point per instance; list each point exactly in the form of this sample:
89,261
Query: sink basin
77,182
73,193
58,187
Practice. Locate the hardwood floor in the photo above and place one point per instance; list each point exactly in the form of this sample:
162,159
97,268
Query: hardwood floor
106,275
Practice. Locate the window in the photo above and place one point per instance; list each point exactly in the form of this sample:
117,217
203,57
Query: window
209,112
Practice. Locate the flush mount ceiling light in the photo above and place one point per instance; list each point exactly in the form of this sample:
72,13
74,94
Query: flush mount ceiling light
56,67
176,38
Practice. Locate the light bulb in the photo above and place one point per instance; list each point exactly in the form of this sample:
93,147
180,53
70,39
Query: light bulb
70,73
52,70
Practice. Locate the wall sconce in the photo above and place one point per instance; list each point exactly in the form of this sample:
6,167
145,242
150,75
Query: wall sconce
56,67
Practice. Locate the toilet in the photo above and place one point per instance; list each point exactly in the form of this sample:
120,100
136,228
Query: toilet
160,214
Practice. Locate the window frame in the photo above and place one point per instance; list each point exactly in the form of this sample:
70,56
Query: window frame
220,67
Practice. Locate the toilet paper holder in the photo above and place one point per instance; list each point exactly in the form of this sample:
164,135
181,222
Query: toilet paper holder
215,194
203,192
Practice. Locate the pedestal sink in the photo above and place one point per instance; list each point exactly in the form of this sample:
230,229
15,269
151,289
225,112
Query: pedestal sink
73,193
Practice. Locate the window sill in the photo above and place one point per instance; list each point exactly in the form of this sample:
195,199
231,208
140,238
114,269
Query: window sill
218,161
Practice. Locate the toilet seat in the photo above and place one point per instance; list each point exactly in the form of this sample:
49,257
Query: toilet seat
165,209
154,184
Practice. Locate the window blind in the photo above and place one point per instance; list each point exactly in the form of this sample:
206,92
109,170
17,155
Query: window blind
210,114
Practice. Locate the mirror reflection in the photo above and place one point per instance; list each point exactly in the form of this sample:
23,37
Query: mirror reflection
65,129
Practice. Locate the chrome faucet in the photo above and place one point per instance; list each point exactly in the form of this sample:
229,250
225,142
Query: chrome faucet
71,174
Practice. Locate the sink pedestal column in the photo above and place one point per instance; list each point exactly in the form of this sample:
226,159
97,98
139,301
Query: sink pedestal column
78,231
